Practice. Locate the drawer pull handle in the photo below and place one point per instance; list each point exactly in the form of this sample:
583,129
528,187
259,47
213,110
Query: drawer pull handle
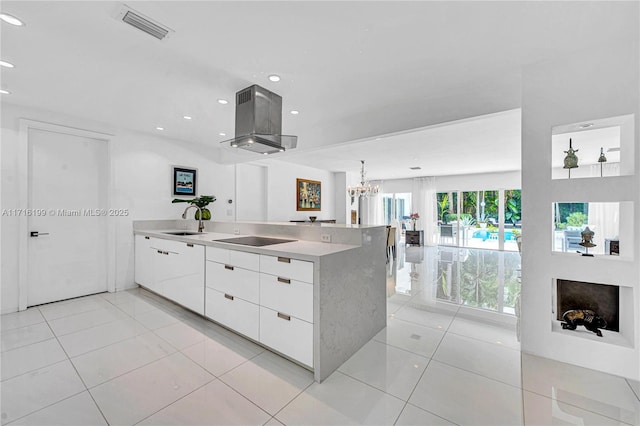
189,245
284,260
284,316
165,252
159,251
284,280
229,267
228,296
146,238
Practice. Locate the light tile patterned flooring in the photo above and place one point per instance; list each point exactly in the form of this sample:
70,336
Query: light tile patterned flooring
132,358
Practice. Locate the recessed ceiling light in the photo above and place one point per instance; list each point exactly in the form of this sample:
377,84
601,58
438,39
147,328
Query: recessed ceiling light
10,19
5,92
159,128
234,145
187,117
295,112
274,77
586,125
222,134
281,150
223,101
265,153
6,64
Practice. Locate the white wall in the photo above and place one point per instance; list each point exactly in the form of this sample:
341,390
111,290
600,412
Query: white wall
598,83
470,182
281,191
251,192
141,182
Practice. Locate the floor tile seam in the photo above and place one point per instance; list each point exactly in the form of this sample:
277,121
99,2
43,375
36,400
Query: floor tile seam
484,341
401,411
382,390
99,325
43,408
479,374
432,413
22,326
38,368
172,345
632,390
421,324
90,327
68,315
520,388
179,399
573,405
108,344
292,399
132,370
404,349
400,348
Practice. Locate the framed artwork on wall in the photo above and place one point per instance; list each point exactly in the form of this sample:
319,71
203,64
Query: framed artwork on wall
308,195
184,181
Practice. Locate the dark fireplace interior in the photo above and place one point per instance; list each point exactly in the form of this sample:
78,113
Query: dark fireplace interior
603,299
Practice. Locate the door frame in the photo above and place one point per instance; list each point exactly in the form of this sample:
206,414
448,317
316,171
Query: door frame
23,198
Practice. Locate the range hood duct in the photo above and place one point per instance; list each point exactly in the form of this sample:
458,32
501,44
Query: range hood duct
259,122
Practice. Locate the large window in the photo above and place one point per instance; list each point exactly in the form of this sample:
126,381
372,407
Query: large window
396,206
488,219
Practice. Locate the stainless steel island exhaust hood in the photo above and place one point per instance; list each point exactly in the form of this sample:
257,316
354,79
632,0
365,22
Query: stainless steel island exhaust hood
259,122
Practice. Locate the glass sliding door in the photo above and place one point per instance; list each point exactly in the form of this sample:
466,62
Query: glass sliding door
448,223
512,219
397,207
488,219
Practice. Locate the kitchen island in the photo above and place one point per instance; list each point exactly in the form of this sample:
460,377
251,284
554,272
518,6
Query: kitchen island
315,299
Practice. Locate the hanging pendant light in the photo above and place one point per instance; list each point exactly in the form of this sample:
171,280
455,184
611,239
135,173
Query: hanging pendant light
365,189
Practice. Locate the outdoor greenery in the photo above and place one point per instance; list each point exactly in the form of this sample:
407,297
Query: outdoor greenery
576,219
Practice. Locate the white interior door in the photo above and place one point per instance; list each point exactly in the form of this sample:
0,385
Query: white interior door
67,200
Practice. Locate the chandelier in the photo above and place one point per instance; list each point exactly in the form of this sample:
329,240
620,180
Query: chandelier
365,189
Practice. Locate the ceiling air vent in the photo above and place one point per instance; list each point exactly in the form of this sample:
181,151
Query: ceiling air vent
416,168
143,23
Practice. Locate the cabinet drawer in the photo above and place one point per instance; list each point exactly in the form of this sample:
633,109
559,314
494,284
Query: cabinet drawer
288,268
287,335
237,281
237,258
287,295
235,313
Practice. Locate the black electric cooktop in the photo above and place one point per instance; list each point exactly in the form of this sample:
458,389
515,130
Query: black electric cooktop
254,241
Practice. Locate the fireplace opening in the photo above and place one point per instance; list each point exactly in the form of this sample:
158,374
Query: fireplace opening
603,299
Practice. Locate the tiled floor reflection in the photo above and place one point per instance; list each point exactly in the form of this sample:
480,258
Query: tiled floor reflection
449,355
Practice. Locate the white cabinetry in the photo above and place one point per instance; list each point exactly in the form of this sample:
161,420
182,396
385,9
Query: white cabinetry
172,269
143,272
286,306
233,290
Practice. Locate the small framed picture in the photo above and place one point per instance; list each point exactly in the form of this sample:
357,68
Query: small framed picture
184,181
308,195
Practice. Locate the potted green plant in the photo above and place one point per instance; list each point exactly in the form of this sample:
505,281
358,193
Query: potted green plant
202,202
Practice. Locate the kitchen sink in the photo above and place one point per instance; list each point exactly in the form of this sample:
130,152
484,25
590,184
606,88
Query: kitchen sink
182,233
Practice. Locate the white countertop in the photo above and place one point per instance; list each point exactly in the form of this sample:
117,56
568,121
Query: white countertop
301,249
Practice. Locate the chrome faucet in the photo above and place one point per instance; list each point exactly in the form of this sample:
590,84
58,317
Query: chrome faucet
200,224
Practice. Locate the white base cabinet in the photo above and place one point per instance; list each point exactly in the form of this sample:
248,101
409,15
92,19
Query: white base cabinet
172,269
233,312
287,334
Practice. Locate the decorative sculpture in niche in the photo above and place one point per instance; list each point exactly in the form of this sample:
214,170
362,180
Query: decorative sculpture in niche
591,321
587,238
571,160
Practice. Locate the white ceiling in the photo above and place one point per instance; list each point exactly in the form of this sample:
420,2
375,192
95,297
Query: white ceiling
355,70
